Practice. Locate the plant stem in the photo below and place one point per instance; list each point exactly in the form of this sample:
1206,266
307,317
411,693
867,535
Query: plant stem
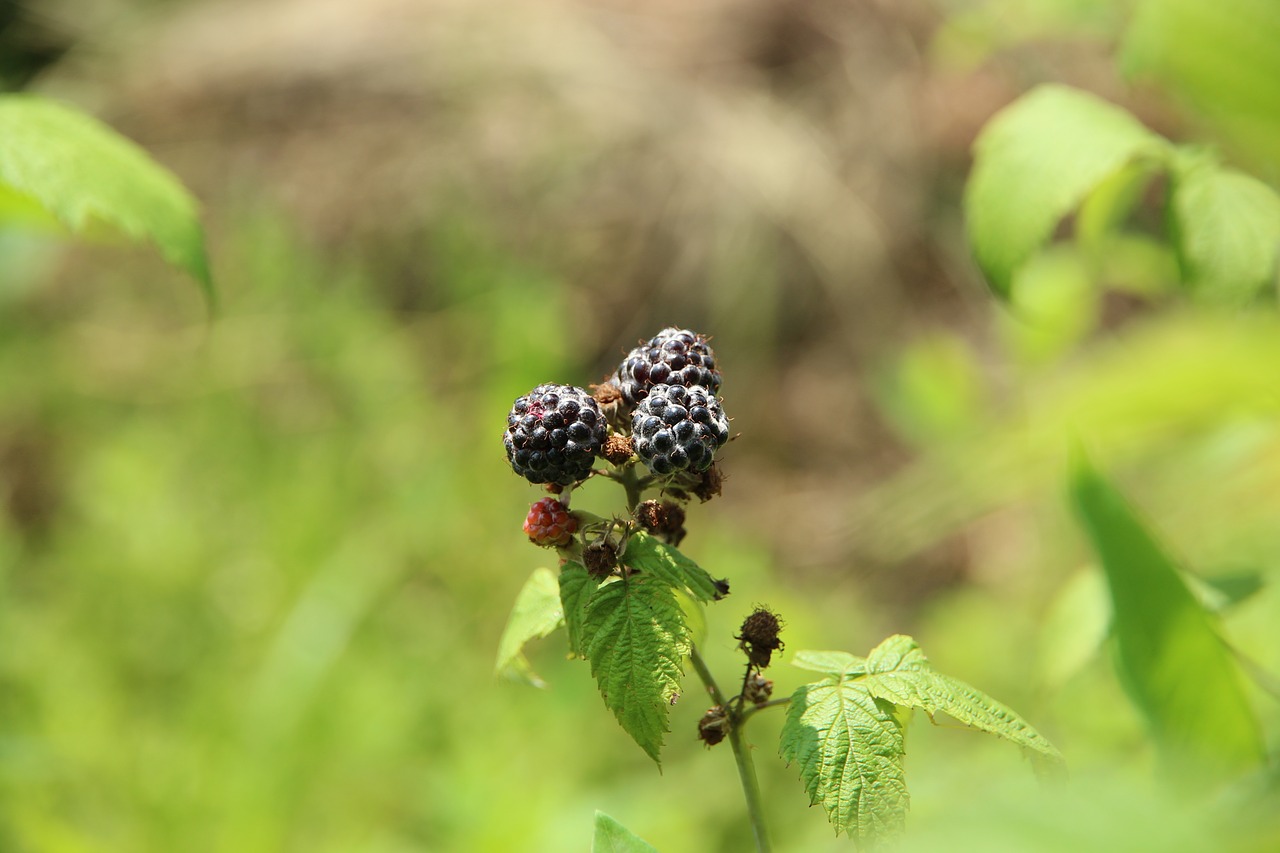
748,713
634,486
741,754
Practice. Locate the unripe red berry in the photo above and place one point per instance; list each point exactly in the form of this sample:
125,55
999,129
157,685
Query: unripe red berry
549,523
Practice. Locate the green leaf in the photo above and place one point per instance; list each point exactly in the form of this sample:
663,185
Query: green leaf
1171,659
847,730
635,636
646,554
830,663
899,672
849,746
1034,163
576,586
1073,628
1220,59
1227,226
536,613
82,172
613,837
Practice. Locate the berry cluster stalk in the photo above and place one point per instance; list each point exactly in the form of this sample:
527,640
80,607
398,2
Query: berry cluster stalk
741,753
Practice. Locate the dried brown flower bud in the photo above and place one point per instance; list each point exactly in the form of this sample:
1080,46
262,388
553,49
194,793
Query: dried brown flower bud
618,449
600,558
759,636
606,393
709,485
665,519
713,726
758,690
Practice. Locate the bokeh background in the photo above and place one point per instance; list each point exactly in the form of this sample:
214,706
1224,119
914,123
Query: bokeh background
253,569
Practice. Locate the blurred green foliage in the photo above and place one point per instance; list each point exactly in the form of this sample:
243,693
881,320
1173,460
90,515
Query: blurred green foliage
254,573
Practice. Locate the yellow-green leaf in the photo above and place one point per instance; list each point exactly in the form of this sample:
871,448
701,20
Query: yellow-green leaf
83,172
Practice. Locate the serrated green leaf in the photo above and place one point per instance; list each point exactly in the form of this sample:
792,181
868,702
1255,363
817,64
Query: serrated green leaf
1171,659
613,837
576,586
1227,229
1034,163
695,616
899,672
646,554
830,663
83,172
536,613
635,636
849,746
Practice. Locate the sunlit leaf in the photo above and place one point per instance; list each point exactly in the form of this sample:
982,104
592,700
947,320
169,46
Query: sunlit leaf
1228,231
613,837
536,613
849,748
1073,628
646,554
83,172
899,672
1171,659
635,636
1034,163
576,586
831,663
1219,58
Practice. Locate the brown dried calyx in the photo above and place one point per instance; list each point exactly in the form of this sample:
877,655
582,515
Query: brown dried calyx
600,558
713,726
759,636
758,689
618,449
709,486
606,393
663,519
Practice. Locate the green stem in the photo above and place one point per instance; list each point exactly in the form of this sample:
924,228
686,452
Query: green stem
634,486
741,754
748,713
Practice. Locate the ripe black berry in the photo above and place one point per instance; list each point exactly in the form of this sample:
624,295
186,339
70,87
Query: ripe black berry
671,357
679,429
553,434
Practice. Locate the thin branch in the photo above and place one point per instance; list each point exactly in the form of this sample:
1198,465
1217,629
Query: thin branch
741,755
755,709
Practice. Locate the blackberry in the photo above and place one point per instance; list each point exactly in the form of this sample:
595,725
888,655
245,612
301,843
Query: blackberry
671,357
679,429
549,523
553,434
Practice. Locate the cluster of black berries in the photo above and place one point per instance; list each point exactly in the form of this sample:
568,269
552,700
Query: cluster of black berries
663,394
669,385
